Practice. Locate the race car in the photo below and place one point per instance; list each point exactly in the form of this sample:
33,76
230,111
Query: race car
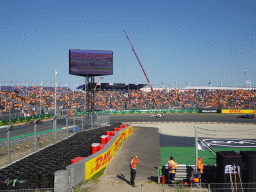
157,115
247,116
38,122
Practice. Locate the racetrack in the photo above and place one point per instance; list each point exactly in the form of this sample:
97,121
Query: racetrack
184,117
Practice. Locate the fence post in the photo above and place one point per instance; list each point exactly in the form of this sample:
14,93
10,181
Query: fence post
97,118
196,143
91,120
8,144
82,122
54,127
74,121
35,135
209,187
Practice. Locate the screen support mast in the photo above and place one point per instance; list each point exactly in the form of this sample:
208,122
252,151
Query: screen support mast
139,62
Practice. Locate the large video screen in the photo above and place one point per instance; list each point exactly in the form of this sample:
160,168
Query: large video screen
90,62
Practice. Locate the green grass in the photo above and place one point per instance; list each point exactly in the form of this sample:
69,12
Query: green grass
186,155
95,179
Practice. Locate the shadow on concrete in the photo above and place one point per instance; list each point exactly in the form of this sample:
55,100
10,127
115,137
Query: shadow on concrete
122,177
153,178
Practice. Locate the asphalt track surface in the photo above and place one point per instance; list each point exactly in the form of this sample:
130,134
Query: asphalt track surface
46,125
184,117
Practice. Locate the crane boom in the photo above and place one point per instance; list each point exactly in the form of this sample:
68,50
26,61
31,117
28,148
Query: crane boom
139,62
97,83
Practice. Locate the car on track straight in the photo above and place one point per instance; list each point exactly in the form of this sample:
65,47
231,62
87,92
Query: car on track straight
247,116
38,122
157,116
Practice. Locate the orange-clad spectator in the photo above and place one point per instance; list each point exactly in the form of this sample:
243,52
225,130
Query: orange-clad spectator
132,165
200,165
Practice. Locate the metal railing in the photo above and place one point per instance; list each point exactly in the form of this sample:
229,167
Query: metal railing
17,142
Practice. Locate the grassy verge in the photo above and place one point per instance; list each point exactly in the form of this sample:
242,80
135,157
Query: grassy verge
94,179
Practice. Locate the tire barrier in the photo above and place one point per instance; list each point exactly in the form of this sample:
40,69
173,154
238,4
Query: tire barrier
37,170
76,173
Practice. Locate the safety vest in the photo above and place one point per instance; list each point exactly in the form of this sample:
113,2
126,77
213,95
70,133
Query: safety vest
200,165
132,163
172,166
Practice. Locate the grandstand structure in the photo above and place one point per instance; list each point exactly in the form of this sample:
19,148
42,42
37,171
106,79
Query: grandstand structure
112,86
21,100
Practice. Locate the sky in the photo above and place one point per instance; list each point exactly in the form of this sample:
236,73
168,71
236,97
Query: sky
184,41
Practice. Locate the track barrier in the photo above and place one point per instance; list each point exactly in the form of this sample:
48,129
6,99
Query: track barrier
86,168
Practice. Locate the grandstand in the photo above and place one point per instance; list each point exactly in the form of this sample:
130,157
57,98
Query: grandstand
118,96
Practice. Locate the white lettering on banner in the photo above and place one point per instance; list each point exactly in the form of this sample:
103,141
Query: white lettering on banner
232,169
209,111
231,142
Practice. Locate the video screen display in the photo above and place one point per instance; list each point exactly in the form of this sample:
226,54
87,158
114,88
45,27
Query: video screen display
90,62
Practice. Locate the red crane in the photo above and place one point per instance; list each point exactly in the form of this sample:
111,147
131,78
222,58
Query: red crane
139,62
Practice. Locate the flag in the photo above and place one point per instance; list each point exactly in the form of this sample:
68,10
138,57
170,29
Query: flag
209,83
201,146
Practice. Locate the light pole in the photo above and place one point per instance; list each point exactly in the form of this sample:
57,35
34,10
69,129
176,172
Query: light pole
128,87
55,74
245,74
32,86
40,96
12,84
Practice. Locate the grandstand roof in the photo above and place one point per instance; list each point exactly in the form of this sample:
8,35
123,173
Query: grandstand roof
112,86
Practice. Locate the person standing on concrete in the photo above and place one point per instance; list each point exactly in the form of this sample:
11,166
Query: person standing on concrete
132,166
171,169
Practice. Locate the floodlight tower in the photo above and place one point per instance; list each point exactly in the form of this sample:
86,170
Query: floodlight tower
139,62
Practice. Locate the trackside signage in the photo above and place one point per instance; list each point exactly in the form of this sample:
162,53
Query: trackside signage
238,111
209,111
96,164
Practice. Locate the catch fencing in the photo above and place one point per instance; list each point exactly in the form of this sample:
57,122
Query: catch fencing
16,142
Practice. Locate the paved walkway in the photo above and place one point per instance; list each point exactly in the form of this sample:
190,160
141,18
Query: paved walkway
144,143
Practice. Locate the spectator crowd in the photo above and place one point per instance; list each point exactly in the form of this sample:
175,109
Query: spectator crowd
27,99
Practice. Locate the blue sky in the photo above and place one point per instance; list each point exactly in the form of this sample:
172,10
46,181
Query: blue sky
176,41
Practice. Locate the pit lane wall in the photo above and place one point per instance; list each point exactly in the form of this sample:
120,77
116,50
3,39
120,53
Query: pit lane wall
86,168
